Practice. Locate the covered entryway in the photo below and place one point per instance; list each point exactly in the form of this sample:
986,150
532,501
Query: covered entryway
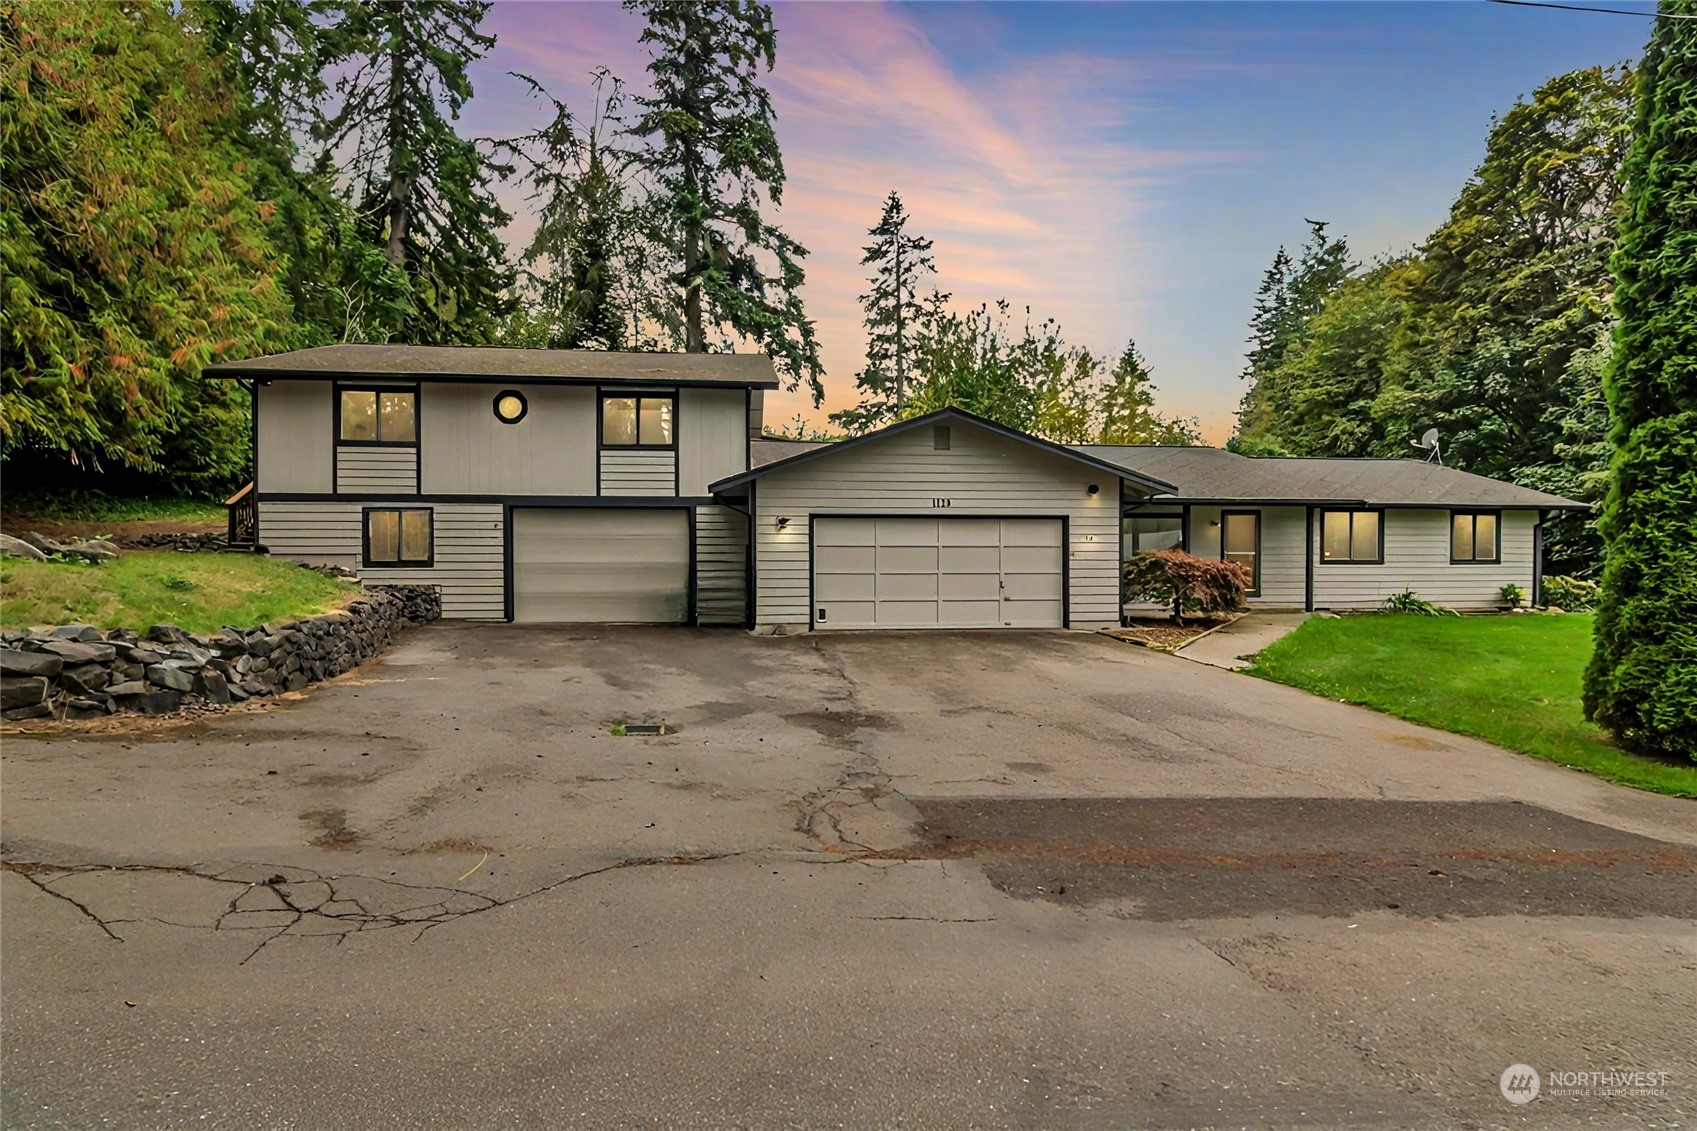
600,565
936,572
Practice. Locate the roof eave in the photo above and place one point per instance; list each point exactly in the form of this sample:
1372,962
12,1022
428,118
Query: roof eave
239,371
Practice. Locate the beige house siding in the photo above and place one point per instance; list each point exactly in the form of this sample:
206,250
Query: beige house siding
712,442
639,471
296,422
372,470
1283,543
721,550
981,474
469,549
467,450
1417,557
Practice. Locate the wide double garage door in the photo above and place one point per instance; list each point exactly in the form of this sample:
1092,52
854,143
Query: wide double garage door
600,565
929,572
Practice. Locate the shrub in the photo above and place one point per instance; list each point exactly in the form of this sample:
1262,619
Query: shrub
1187,583
1575,594
1511,595
1409,602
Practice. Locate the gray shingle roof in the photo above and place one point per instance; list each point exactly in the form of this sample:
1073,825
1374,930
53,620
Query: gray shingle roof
490,363
1213,474
763,452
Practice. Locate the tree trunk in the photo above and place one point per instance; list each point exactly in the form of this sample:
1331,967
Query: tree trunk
399,189
901,373
695,334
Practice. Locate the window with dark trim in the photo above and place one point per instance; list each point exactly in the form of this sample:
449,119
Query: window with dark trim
638,421
379,416
510,406
1475,537
1240,542
399,536
1352,537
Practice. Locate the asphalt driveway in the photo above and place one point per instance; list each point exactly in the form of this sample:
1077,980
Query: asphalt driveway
930,879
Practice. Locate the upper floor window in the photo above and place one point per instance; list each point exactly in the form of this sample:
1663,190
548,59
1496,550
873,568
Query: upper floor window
637,422
1352,536
1473,537
379,416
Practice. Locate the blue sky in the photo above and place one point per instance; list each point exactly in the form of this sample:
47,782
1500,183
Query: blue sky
1128,169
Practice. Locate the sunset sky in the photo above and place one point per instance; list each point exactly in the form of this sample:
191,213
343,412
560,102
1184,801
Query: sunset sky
1127,169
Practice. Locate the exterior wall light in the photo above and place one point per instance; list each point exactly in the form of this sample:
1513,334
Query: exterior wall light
783,521
1094,489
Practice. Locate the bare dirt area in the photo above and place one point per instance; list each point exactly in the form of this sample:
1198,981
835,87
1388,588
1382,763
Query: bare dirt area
126,533
1005,880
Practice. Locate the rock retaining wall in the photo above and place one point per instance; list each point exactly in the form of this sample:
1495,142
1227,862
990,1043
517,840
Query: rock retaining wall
76,671
186,542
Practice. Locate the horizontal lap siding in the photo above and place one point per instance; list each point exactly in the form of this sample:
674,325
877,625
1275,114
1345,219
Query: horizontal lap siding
634,471
1417,557
469,548
296,424
721,545
981,474
467,450
386,470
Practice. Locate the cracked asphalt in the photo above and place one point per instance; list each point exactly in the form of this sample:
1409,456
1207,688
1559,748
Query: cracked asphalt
1020,880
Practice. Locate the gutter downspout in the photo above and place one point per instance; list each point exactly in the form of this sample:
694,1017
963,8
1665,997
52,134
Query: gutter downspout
1308,564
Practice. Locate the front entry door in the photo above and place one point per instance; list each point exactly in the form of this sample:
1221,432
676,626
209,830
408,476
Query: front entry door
1240,542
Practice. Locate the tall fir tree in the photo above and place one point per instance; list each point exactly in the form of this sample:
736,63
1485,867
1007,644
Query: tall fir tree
893,314
1127,407
424,192
1642,679
711,154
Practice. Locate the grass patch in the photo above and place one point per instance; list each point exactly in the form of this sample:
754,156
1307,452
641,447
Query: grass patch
1513,681
199,592
94,507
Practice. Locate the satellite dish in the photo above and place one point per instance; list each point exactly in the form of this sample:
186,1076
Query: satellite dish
1429,443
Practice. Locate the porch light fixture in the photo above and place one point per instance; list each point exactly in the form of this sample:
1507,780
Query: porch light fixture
1094,489
783,521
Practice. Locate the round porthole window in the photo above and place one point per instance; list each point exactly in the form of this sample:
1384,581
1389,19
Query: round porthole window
510,406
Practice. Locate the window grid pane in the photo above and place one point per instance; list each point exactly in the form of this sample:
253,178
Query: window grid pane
415,536
383,536
618,420
1364,541
1334,542
1461,537
1484,537
655,427
359,415
396,420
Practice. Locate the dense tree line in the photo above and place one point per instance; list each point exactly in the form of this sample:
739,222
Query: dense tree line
214,179
1494,332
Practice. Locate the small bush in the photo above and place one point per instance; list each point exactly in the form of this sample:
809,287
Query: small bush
1411,603
1186,583
1511,595
1573,594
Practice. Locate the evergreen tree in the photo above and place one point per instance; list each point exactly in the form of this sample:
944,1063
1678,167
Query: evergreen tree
898,259
132,246
1127,407
588,260
1642,680
712,159
422,191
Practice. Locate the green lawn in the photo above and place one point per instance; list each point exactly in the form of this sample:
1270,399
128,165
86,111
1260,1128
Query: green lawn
199,592
1511,680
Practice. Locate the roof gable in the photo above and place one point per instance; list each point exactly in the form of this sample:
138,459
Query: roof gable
826,451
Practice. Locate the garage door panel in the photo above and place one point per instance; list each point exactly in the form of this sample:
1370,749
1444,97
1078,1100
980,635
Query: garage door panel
970,559
600,565
906,586
908,559
924,572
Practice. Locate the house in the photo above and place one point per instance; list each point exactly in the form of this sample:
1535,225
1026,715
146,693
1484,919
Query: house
560,486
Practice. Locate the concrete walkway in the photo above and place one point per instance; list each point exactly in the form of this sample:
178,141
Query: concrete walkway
1232,646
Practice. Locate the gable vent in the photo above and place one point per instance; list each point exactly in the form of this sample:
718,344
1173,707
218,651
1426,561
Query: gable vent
940,437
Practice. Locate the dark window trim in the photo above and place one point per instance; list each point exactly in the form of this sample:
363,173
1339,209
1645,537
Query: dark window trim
365,514
604,395
337,388
1475,512
524,406
1256,515
1320,542
1127,515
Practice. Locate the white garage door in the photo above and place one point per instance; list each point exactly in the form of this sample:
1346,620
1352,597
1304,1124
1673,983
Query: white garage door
937,573
600,565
